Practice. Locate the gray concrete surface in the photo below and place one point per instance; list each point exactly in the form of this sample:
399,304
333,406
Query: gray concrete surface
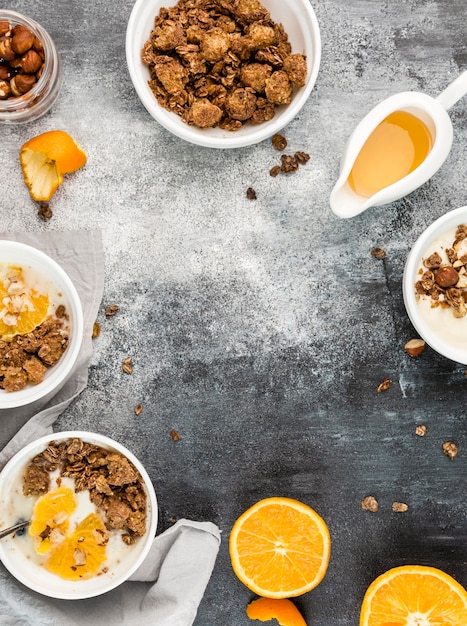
260,330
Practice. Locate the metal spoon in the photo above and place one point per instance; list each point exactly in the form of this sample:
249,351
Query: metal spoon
12,529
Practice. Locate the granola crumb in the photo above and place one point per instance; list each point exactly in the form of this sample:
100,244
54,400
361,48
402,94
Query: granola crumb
400,507
111,310
421,430
138,409
251,193
96,330
369,503
450,449
378,253
127,366
302,157
384,384
279,142
274,171
175,434
44,212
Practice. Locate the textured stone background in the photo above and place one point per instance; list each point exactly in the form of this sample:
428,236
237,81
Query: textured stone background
260,330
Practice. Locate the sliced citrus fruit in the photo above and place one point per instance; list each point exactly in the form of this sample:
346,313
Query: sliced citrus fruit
280,548
22,308
46,158
284,611
82,552
414,595
50,517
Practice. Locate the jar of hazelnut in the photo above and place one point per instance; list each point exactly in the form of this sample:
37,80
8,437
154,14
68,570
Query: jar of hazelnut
30,69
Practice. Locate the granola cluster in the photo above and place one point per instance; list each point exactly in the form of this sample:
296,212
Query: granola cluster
115,486
221,63
26,358
445,281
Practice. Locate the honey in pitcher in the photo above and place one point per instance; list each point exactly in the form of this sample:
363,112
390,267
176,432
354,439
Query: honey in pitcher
398,145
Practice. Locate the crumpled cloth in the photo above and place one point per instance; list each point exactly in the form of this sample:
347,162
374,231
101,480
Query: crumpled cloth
168,586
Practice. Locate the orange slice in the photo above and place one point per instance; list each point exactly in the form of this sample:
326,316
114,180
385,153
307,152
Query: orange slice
284,611
51,512
46,158
22,308
414,594
82,552
280,548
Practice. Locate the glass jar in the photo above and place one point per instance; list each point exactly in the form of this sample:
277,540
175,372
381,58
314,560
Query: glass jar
39,99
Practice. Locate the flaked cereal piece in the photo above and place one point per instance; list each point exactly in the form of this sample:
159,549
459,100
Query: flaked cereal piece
378,253
175,434
251,193
214,44
275,171
35,370
170,73
127,365
204,114
296,68
36,479
399,507
279,142
288,163
168,36
369,503
117,513
421,430
255,75
96,330
14,379
279,88
241,103
260,35
384,384
250,11
302,157
111,310
138,409
433,261
264,111
450,449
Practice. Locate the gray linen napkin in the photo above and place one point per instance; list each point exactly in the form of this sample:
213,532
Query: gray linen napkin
174,575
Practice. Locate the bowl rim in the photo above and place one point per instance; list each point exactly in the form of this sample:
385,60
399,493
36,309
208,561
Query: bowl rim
442,224
27,452
202,137
60,371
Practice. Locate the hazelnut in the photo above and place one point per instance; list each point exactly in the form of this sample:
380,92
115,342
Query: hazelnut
415,347
6,51
22,83
5,73
446,276
38,47
5,28
30,62
22,41
5,90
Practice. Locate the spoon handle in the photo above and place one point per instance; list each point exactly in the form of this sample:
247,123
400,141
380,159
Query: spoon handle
453,92
12,529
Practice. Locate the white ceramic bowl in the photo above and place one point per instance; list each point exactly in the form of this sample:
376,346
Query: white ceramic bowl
12,252
37,577
301,25
429,331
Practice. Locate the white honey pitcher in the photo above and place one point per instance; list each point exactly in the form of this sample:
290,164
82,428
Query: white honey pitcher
396,148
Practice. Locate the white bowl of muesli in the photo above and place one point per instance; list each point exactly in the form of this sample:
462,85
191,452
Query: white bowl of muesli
435,285
223,74
92,514
41,326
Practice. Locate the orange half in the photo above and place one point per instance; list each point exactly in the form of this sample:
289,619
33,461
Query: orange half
280,548
414,594
284,611
51,511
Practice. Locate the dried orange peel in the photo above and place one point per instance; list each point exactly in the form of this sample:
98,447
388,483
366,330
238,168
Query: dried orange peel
46,158
284,611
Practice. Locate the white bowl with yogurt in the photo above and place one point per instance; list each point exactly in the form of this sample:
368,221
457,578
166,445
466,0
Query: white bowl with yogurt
438,324
28,564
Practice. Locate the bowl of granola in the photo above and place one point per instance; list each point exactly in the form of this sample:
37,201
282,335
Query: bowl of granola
41,326
92,514
435,285
223,73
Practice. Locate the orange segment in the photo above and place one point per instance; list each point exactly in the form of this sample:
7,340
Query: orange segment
46,158
280,548
284,611
22,308
414,594
82,552
50,518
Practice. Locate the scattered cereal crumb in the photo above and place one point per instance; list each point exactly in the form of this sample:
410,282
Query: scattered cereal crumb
450,449
288,163
420,430
96,330
378,253
111,310
279,142
369,503
138,409
384,384
127,366
251,193
44,212
175,434
400,507
302,157
274,171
